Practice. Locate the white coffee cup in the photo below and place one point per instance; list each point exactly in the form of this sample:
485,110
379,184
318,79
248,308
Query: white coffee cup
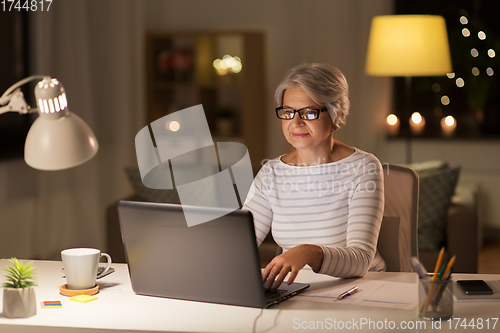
80,267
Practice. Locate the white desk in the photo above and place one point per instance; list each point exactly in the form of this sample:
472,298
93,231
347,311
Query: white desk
118,308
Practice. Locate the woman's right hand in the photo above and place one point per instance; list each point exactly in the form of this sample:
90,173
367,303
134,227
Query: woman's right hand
292,261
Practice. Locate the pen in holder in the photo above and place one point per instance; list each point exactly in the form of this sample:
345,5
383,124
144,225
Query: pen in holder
435,298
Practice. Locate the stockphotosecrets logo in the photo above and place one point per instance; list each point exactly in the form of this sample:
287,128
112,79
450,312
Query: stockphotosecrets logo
185,157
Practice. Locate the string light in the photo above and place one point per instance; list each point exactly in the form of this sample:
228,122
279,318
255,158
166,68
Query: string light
445,100
464,20
465,32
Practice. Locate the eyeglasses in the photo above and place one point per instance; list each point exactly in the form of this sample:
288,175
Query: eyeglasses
305,113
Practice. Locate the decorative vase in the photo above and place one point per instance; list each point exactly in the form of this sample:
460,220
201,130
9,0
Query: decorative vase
19,302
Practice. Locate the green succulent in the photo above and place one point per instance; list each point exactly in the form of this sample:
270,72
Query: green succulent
21,275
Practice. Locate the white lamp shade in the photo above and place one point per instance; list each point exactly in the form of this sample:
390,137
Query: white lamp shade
56,144
408,45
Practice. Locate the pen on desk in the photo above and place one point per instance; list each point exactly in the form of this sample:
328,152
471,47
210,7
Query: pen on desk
418,267
348,293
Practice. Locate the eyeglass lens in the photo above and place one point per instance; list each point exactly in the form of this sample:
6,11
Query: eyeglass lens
306,114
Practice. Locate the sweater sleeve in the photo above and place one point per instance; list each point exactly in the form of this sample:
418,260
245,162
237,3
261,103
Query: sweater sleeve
366,208
258,204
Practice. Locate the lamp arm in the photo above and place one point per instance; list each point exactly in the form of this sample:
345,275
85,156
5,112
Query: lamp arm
16,103
9,93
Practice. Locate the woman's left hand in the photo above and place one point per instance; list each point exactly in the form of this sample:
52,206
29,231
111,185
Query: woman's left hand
292,261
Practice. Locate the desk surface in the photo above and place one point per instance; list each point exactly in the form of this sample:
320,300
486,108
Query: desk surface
118,308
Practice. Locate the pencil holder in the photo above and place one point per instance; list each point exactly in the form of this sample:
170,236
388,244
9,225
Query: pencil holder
435,299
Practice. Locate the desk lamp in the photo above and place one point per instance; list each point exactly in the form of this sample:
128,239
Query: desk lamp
58,139
408,45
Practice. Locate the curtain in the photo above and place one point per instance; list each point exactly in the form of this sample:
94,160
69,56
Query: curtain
95,49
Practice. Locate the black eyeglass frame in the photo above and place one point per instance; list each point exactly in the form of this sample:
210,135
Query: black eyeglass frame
299,112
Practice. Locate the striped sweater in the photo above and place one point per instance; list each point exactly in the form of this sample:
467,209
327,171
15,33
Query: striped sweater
337,206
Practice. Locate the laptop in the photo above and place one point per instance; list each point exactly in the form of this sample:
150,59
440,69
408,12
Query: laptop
216,261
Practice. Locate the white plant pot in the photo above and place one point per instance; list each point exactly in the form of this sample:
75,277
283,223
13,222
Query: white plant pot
19,303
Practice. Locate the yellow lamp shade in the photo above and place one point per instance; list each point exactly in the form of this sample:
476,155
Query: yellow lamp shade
408,45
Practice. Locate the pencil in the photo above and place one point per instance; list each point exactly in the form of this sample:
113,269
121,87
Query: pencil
432,291
438,264
448,268
444,276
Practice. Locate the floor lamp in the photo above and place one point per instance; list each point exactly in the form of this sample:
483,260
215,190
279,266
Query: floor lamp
407,46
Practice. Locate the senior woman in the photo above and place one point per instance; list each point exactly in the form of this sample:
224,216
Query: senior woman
324,200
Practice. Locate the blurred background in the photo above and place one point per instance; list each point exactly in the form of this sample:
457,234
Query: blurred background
125,63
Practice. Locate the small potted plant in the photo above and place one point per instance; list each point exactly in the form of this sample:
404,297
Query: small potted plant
19,299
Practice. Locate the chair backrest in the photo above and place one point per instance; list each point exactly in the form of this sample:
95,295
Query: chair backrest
398,239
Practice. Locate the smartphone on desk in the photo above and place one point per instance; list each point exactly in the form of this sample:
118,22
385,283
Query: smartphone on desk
475,287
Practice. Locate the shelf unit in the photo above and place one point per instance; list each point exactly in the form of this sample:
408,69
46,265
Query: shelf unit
180,74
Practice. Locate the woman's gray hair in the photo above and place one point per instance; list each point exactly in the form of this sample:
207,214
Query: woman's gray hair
325,84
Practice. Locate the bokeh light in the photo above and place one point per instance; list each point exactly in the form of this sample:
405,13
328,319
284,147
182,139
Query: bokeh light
449,121
392,119
228,64
174,126
416,117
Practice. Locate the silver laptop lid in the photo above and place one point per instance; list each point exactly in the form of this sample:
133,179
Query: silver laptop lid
216,261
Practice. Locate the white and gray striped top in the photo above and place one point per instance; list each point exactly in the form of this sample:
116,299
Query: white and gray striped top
337,206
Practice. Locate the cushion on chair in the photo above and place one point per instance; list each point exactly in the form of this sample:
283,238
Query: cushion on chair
437,186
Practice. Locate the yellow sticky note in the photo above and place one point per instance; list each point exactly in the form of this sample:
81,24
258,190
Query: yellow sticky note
83,298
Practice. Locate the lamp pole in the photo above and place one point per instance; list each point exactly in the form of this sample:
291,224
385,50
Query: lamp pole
407,116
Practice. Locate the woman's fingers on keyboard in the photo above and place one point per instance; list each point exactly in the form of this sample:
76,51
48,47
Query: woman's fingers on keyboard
281,276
